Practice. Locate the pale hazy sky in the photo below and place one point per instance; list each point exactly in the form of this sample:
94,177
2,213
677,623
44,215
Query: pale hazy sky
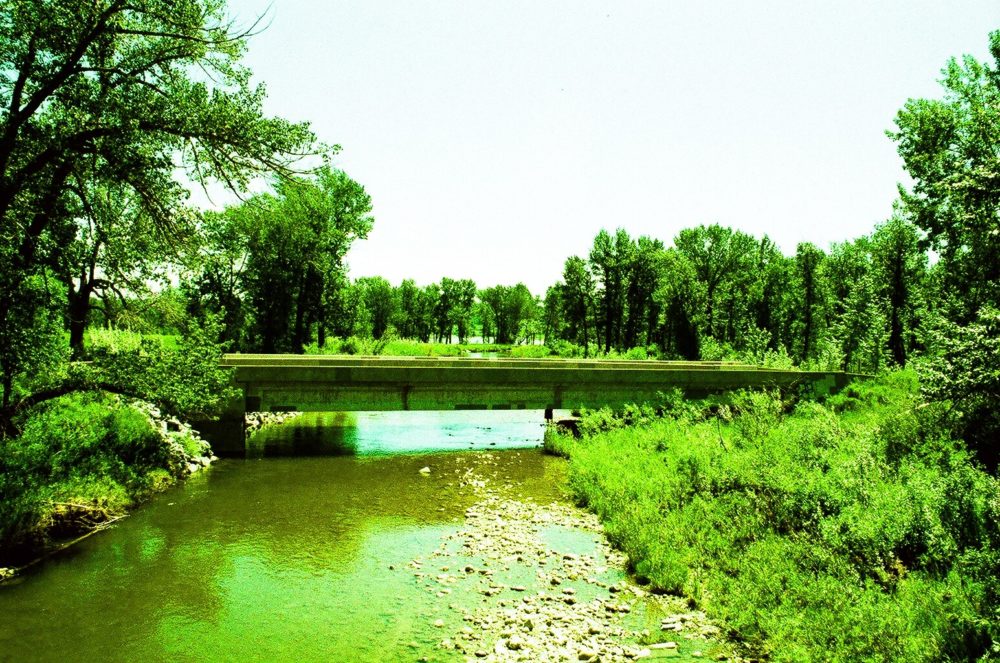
497,138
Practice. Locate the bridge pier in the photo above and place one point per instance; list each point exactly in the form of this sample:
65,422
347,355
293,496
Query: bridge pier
227,433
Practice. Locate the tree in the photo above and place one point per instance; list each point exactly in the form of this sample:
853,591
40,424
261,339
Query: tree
124,92
31,334
380,302
463,300
216,282
848,272
297,240
576,296
965,373
677,296
552,321
610,258
117,249
408,313
951,149
719,255
901,266
641,307
772,277
507,308
810,293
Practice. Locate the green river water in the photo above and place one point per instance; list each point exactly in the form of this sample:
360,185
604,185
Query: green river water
297,553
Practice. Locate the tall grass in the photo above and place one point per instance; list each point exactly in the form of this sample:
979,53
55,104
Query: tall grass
84,456
852,530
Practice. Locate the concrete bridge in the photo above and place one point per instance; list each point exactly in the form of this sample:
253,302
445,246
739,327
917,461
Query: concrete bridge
337,383
321,383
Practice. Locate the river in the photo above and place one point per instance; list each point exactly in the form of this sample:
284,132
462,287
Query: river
339,538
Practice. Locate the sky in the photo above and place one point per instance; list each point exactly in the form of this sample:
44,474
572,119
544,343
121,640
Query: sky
497,138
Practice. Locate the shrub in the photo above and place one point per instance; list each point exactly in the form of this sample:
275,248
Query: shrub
855,530
84,449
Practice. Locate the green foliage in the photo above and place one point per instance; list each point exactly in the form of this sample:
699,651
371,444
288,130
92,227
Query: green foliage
113,98
507,312
966,373
296,240
855,530
530,351
32,346
949,147
186,381
81,449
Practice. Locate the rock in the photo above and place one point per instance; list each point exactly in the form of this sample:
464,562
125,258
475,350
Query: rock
664,645
425,470
438,623
515,643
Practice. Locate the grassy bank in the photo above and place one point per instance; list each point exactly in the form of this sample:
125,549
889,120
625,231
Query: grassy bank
80,461
852,530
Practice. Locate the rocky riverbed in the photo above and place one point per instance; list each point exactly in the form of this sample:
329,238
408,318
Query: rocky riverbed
551,587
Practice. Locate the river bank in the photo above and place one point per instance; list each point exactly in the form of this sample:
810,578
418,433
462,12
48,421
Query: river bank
83,464
858,529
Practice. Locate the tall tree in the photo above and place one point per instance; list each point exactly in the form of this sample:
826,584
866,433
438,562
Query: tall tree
811,297
215,282
123,92
677,296
117,250
718,255
609,259
507,308
380,302
901,266
639,302
951,149
576,296
298,239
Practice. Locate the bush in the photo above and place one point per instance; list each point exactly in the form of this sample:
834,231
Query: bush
187,381
85,449
855,530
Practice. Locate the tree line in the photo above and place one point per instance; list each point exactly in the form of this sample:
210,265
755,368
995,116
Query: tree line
280,284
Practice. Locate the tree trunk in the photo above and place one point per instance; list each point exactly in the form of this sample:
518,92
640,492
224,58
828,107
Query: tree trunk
298,341
79,312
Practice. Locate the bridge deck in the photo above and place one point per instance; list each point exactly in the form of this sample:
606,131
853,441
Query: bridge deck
322,382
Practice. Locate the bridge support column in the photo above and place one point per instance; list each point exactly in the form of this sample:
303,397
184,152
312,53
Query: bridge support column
227,432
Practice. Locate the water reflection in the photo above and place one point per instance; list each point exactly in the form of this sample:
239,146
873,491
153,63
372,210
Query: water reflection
374,433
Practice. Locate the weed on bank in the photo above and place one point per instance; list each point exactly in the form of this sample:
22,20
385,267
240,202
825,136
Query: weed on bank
856,529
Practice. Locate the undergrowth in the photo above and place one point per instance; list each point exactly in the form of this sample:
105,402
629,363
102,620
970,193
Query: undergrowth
80,459
856,529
